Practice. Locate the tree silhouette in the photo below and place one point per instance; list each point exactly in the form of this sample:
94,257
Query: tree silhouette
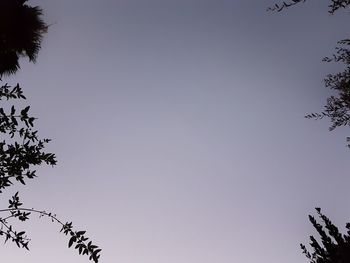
337,107
21,31
334,5
334,246
21,148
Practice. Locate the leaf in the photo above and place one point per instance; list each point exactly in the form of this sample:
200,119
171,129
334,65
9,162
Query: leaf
71,241
80,233
24,112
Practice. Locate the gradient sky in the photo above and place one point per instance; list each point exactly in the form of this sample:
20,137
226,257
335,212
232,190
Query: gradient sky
179,130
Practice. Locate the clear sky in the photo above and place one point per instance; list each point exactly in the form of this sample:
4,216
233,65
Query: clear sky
179,130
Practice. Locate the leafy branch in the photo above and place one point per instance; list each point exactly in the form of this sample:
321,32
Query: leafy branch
280,7
337,108
15,210
334,6
21,150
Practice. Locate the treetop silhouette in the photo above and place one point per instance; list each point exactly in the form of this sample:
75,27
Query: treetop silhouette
333,247
21,32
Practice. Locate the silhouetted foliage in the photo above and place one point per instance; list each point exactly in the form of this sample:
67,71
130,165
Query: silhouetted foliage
333,247
21,31
15,210
337,108
21,149
334,5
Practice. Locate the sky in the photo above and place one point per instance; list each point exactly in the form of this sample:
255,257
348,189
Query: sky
179,130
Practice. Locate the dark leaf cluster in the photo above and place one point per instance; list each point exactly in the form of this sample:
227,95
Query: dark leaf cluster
19,238
21,149
337,108
7,230
334,5
6,92
81,243
21,31
333,247
283,5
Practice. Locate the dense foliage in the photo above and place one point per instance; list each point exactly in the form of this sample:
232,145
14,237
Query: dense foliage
333,247
21,31
21,149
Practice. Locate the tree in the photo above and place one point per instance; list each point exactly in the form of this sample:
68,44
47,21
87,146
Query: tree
337,107
21,148
334,246
21,32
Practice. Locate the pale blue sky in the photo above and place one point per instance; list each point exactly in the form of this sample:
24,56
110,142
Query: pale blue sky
179,130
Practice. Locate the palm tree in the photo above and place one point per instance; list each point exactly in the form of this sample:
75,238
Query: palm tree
21,32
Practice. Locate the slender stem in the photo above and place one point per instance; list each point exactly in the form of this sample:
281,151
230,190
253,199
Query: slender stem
34,211
4,219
